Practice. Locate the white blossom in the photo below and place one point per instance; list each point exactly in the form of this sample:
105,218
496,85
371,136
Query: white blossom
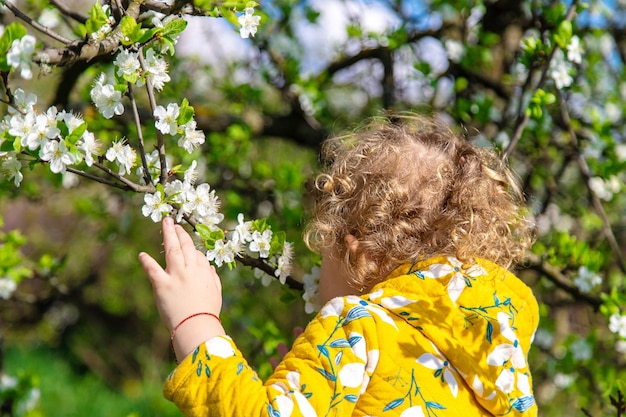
156,69
11,167
587,280
563,381
127,63
21,54
560,75
101,33
283,268
71,120
90,146
167,119
617,324
620,346
454,49
192,138
248,23
123,154
107,99
261,243
311,290
23,101
22,126
7,287
43,130
7,382
605,189
221,253
49,17
57,154
154,167
155,206
243,230
574,50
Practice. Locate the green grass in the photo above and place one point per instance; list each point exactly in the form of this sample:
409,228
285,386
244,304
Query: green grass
64,393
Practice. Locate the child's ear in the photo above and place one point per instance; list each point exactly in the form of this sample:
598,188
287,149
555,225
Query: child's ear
352,243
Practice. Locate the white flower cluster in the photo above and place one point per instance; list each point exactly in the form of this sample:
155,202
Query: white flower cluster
61,139
106,28
605,189
245,238
202,204
199,202
167,123
7,287
21,54
587,280
107,97
311,290
40,133
617,324
561,66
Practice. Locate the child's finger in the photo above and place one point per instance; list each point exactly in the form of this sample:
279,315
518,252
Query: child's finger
151,267
173,252
186,245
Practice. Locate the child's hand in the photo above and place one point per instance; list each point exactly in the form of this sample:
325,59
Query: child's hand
188,285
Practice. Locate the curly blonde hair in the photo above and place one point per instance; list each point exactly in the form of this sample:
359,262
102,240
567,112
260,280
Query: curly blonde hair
409,188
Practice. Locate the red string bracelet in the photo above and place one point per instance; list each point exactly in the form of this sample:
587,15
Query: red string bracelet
204,313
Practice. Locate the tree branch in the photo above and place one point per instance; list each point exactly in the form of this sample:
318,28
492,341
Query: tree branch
18,13
67,11
584,168
83,50
142,150
555,275
131,185
523,120
159,134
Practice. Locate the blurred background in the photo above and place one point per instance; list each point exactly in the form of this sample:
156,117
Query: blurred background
542,81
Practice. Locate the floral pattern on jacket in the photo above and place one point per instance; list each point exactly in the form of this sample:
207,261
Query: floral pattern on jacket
434,339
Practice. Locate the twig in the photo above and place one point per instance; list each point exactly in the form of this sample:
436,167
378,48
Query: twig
523,120
257,263
619,403
555,276
159,135
142,151
586,171
64,9
83,50
18,13
133,186
98,179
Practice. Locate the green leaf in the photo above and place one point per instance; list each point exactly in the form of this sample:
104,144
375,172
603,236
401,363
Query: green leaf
209,236
174,27
278,241
563,34
185,114
12,32
97,18
132,30
76,134
259,225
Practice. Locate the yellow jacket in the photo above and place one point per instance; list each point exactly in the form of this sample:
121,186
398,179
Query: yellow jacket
434,339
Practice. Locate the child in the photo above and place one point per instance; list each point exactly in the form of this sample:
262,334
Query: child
416,227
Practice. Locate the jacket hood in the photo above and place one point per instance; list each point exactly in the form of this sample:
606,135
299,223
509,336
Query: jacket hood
480,317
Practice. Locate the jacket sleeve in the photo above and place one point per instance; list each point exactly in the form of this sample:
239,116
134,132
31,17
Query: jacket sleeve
326,371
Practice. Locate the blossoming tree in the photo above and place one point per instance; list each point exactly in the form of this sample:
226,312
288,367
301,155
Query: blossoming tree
131,129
